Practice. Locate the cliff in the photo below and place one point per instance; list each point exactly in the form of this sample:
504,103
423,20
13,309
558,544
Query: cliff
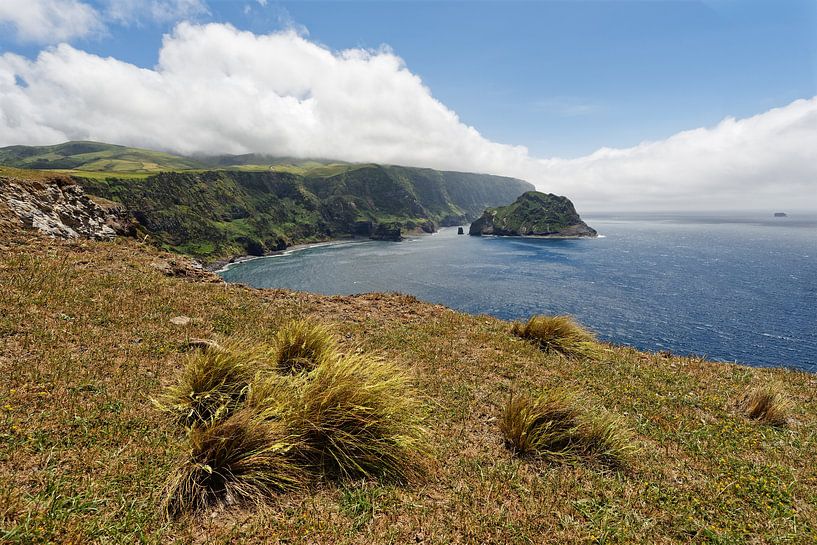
216,214
533,214
56,206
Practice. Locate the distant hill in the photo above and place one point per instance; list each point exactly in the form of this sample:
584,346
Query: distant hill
95,157
98,157
223,206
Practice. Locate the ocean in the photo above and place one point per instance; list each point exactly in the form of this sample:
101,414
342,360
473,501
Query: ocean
730,287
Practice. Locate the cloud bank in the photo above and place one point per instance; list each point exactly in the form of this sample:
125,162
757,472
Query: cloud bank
216,89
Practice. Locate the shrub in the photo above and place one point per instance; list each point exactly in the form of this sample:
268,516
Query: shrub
301,345
558,425
242,459
557,334
212,384
768,404
359,417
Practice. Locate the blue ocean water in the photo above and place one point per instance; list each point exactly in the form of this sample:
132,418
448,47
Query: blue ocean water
730,287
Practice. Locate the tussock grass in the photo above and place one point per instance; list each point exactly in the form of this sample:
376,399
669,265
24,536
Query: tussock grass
768,404
253,431
359,417
213,383
557,334
240,460
302,345
559,425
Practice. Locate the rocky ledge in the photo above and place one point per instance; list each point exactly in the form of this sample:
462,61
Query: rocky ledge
533,214
60,208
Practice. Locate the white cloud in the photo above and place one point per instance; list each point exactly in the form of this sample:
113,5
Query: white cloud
219,90
49,21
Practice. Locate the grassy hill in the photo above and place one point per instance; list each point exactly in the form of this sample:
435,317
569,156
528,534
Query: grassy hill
217,214
100,160
94,157
88,337
219,207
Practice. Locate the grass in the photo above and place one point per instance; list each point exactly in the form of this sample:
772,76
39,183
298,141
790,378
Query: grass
214,382
301,345
358,417
327,416
768,404
559,425
241,460
559,334
86,339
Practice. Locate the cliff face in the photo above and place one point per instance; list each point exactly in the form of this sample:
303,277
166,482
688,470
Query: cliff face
222,213
533,214
59,208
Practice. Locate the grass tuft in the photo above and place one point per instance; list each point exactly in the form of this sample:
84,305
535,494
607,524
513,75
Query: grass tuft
558,334
302,345
240,460
768,404
359,417
559,425
213,383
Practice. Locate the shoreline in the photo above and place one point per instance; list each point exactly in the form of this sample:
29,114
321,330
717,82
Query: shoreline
222,265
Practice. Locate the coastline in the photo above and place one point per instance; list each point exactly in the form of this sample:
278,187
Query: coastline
225,264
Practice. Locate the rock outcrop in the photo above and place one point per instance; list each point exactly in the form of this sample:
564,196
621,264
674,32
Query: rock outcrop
533,214
387,231
59,208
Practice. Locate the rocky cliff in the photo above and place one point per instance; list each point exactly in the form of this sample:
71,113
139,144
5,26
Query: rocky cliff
217,214
56,206
533,214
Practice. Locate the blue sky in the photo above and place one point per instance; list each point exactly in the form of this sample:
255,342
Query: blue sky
562,78
619,105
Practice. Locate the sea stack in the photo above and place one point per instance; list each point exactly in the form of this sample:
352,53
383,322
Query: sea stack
533,214
460,231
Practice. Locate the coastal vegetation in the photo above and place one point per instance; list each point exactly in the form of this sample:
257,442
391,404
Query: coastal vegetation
145,400
214,208
559,334
558,425
767,403
344,416
91,331
533,214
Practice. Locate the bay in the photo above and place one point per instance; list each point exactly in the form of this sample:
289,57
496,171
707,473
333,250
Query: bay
730,287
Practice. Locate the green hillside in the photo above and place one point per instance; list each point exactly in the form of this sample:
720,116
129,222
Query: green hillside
218,214
222,206
94,157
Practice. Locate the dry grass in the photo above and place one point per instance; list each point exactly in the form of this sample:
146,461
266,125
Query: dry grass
559,334
302,345
348,417
359,417
768,404
242,460
214,382
86,338
559,425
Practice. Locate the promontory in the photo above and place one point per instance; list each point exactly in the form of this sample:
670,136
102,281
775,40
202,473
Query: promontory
533,214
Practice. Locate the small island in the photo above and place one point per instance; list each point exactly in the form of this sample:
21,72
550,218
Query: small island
534,214
780,215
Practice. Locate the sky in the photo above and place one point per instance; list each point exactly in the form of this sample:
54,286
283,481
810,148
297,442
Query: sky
618,105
